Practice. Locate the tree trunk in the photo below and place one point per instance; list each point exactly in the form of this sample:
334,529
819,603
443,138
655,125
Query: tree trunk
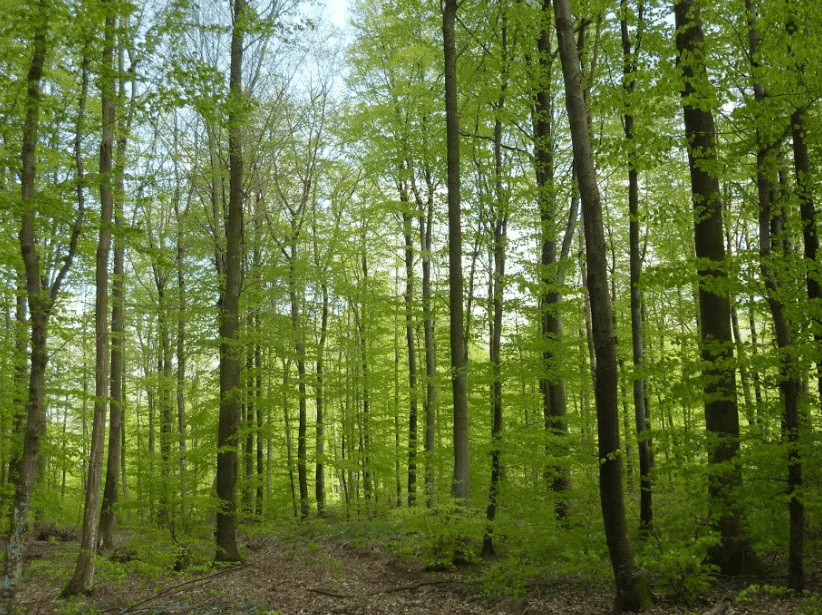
83,579
115,434
39,305
319,479
410,337
426,223
733,555
460,487
180,347
297,327
552,385
771,231
499,223
365,422
641,413
229,308
632,591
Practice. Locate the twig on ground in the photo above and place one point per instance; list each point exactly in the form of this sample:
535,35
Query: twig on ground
414,586
167,590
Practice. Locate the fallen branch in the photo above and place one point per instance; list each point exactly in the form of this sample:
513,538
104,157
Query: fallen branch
410,587
167,590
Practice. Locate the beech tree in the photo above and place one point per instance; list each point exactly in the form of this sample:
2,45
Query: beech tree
40,296
461,485
632,590
734,555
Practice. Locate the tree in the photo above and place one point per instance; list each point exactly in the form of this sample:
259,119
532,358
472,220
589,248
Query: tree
41,299
83,579
629,53
116,411
772,234
461,487
632,591
552,262
733,555
229,306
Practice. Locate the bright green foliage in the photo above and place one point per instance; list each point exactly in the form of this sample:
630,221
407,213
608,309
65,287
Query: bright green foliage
340,143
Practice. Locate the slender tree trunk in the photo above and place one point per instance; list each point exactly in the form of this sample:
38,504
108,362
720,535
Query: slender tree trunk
641,412
632,591
289,448
460,487
180,347
410,337
319,479
83,579
733,555
365,422
115,434
426,223
165,514
229,311
807,210
297,326
258,392
552,385
499,222
790,384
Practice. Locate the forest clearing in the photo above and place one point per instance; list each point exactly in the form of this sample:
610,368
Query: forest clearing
461,307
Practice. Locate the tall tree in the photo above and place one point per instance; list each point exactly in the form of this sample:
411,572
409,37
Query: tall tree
632,591
629,53
733,555
460,487
772,218
552,385
229,306
41,298
116,405
83,579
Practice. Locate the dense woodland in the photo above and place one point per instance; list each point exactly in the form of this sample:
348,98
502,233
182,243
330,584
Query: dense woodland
498,271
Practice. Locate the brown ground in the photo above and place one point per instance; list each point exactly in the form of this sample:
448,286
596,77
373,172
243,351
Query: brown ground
332,577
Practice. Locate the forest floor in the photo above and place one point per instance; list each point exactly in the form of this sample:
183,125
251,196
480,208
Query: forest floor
328,575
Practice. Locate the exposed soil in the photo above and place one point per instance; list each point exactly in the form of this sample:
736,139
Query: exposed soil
323,577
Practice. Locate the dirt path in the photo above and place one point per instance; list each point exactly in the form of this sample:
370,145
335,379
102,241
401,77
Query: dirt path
327,578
